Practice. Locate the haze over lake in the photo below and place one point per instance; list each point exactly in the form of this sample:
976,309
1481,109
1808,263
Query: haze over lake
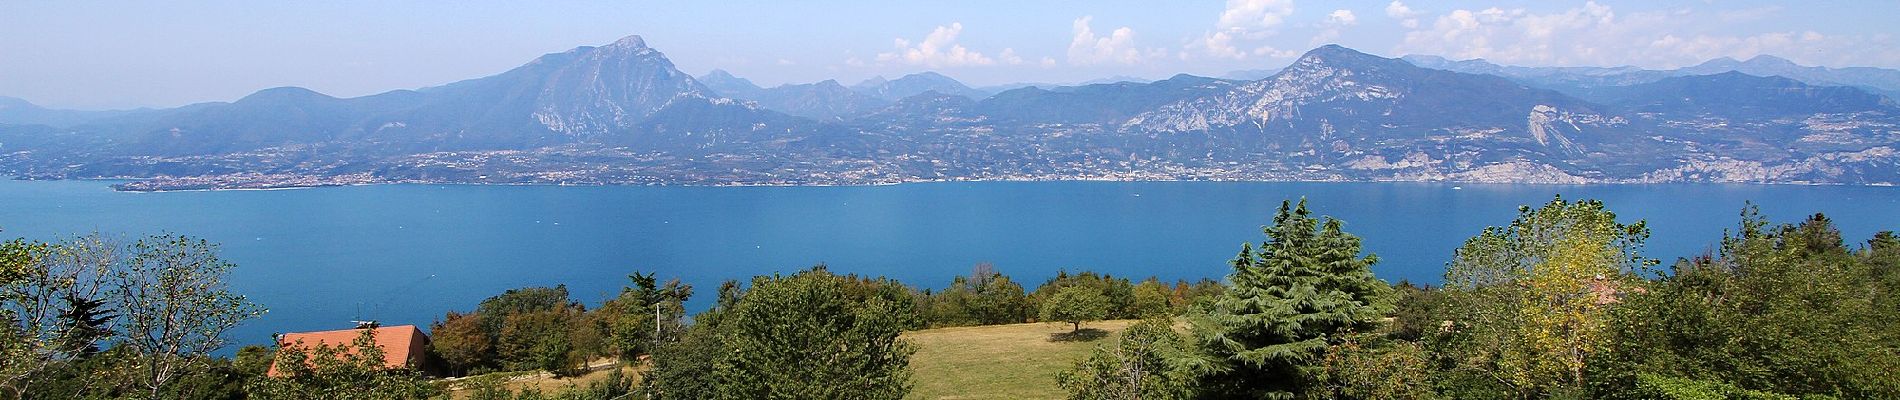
404,254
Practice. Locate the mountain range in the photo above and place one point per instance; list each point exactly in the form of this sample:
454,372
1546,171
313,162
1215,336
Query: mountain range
622,113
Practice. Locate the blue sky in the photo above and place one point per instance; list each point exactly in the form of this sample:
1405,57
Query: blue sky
92,55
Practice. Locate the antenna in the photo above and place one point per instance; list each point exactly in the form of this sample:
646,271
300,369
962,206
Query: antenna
378,307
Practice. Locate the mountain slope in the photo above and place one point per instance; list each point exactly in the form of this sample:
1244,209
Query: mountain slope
826,100
1109,103
726,85
915,84
622,113
1334,92
1736,95
20,112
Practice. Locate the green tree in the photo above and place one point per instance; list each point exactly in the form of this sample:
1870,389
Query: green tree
52,306
1289,300
538,340
1142,363
1784,310
645,315
811,335
1119,292
1152,299
341,372
459,340
1370,366
1536,292
1075,305
174,308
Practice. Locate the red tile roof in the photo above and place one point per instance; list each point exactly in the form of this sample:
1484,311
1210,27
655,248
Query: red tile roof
403,345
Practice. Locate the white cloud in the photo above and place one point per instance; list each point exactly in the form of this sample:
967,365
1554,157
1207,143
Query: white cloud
1341,18
1407,17
939,49
1008,56
1088,48
782,61
1595,34
1252,15
1332,25
1243,28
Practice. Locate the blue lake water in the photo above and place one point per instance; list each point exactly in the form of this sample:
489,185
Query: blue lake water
404,254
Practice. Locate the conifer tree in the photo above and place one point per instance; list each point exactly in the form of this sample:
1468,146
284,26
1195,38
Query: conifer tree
1302,289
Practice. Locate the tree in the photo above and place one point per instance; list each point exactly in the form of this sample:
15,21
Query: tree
1786,309
538,340
174,307
342,372
631,317
459,340
1151,299
493,310
997,299
1075,305
1538,291
1142,363
1368,366
1289,301
811,335
51,305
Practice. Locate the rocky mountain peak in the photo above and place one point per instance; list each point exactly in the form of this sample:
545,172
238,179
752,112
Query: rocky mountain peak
630,42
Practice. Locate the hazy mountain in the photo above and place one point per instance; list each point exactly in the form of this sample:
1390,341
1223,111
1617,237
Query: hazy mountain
622,113
20,112
915,84
1109,103
824,100
1765,65
1737,95
1337,93
924,110
1250,74
1576,79
724,84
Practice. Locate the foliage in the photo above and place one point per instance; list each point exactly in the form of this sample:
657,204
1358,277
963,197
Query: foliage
493,311
1538,292
52,309
1119,292
174,307
459,340
1142,363
1368,366
986,297
1301,290
1201,293
809,335
1075,305
538,340
1151,299
1785,310
340,372
644,315
1650,386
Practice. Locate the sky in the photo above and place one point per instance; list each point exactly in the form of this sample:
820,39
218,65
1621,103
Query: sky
106,55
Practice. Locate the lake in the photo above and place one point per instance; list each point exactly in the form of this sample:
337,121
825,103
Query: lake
405,254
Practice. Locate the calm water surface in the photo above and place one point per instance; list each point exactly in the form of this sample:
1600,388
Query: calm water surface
404,254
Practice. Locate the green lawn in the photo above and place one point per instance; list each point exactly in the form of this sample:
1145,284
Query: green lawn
997,362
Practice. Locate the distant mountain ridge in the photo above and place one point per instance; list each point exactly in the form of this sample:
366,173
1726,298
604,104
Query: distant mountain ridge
1878,80
622,113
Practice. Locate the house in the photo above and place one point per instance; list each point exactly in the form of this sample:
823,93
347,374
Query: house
402,345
